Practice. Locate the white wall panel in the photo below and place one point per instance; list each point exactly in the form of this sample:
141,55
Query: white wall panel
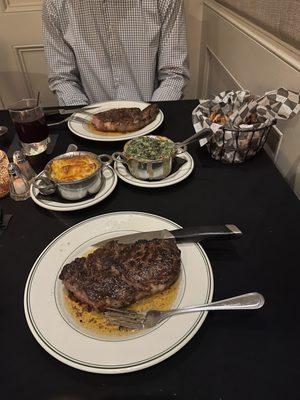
193,10
23,70
32,65
20,5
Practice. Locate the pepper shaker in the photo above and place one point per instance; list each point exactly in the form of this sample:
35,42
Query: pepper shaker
18,184
21,161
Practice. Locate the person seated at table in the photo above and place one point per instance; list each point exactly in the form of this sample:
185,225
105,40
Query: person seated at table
113,50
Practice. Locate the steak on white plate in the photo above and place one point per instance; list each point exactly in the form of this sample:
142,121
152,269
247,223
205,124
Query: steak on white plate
117,275
124,119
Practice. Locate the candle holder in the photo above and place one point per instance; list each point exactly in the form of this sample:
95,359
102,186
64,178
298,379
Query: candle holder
4,177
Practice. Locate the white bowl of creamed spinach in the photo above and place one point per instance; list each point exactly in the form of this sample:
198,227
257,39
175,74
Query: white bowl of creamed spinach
148,157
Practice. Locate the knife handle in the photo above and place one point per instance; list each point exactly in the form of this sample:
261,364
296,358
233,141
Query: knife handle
200,233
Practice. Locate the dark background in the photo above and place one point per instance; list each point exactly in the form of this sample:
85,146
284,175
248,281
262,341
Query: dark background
234,355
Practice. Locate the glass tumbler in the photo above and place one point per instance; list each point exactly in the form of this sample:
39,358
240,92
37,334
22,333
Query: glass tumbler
29,121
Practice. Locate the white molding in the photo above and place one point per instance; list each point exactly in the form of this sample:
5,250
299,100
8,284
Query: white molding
279,135
19,52
205,73
8,6
210,53
281,49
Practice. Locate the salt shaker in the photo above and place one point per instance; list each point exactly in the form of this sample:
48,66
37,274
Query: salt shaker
20,160
18,184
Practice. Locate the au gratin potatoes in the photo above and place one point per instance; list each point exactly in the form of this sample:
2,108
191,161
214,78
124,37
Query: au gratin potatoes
70,169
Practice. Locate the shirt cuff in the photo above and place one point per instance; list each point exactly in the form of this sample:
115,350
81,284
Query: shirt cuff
70,95
165,93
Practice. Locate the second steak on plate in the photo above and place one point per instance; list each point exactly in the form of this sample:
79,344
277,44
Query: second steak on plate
124,119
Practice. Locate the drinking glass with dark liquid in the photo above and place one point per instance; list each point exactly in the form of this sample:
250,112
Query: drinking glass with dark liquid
30,124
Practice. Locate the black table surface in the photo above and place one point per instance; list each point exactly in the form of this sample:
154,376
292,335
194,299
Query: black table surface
234,355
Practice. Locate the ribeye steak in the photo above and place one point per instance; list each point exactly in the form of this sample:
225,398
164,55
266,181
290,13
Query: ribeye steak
117,275
124,119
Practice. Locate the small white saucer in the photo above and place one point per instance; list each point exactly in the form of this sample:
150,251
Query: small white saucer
108,185
182,173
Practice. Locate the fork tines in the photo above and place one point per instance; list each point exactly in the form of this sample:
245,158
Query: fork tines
125,318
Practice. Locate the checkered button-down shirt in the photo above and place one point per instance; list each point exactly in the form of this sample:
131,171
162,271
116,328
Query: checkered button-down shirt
101,50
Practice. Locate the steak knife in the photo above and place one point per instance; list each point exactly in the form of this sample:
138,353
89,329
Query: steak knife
67,110
183,235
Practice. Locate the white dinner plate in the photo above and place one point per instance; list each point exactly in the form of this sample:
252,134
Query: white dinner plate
67,341
83,130
109,183
182,173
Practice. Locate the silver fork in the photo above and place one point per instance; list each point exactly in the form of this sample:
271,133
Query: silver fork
144,320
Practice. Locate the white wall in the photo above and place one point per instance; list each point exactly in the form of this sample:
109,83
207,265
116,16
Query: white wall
23,70
194,12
